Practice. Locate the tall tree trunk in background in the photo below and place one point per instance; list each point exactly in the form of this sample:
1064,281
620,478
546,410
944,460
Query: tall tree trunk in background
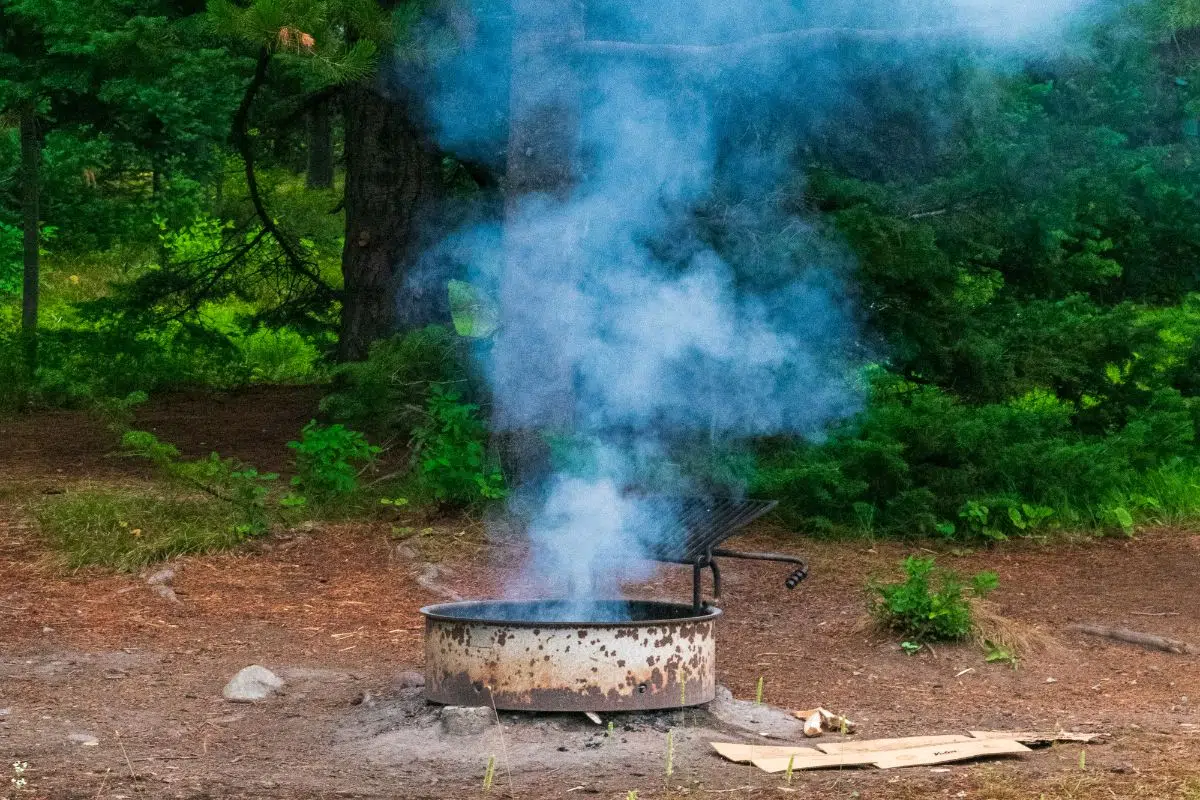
320,146
543,149
31,157
393,188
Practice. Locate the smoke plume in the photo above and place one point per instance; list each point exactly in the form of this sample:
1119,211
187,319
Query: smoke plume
616,291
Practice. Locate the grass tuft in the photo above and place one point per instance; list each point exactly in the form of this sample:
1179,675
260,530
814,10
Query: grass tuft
126,531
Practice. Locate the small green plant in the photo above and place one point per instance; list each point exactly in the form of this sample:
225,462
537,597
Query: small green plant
489,774
631,795
240,485
911,648
999,654
451,451
791,763
758,692
928,605
329,459
609,731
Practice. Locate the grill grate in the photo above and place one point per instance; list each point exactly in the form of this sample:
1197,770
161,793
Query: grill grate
700,524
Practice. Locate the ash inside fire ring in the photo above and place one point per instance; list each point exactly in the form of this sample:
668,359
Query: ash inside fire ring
567,613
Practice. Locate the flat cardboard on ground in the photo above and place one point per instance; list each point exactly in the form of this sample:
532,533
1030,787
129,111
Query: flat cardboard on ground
880,745
1038,737
746,753
818,761
944,753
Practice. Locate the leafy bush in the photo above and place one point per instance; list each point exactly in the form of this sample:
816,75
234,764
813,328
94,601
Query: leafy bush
277,355
127,531
451,452
920,461
239,485
328,461
922,612
385,396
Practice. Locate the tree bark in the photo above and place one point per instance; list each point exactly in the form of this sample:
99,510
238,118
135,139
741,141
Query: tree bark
533,379
393,189
320,147
31,158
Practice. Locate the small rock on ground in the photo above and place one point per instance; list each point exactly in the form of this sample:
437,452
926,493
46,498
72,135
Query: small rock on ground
466,720
83,739
162,577
251,684
410,680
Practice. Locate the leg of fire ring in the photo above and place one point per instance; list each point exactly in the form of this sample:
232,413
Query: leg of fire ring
716,571
696,568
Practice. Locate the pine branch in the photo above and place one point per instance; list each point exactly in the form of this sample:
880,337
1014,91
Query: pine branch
245,147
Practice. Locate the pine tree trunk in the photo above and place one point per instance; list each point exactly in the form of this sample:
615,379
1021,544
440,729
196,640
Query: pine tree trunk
320,147
543,143
31,157
393,188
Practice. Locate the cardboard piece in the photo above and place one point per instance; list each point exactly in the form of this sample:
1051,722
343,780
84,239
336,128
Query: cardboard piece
1038,737
945,753
746,753
818,761
883,745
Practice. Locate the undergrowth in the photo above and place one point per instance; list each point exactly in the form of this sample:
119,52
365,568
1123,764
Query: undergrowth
930,604
126,531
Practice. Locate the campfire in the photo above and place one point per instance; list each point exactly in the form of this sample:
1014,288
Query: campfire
597,654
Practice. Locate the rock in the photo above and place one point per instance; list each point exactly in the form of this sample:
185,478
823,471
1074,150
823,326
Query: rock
410,679
83,739
251,684
162,577
165,592
466,720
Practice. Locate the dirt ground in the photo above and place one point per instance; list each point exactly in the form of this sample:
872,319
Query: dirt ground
334,610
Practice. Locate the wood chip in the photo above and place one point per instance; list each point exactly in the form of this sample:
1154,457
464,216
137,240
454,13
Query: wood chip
945,753
884,745
1039,737
746,753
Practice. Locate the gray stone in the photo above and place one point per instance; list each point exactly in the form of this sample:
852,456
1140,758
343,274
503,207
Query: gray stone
162,577
466,720
251,684
410,680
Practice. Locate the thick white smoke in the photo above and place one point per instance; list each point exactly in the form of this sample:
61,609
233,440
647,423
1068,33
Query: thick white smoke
614,287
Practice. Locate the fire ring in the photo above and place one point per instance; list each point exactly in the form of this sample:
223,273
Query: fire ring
558,655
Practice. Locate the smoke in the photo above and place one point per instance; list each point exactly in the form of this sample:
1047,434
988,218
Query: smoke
623,323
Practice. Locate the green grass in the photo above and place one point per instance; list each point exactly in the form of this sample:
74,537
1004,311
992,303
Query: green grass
126,531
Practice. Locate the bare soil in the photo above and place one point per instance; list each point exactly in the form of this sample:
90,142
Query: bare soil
334,610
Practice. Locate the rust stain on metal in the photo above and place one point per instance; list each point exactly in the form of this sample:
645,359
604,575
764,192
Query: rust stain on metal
605,666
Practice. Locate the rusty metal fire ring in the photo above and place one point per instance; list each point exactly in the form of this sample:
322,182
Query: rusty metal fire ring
538,656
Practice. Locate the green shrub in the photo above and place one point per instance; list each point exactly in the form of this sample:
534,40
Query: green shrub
922,462
928,605
451,452
385,395
242,487
328,461
127,531
277,355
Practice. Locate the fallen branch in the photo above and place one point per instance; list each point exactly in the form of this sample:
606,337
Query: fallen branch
1147,640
